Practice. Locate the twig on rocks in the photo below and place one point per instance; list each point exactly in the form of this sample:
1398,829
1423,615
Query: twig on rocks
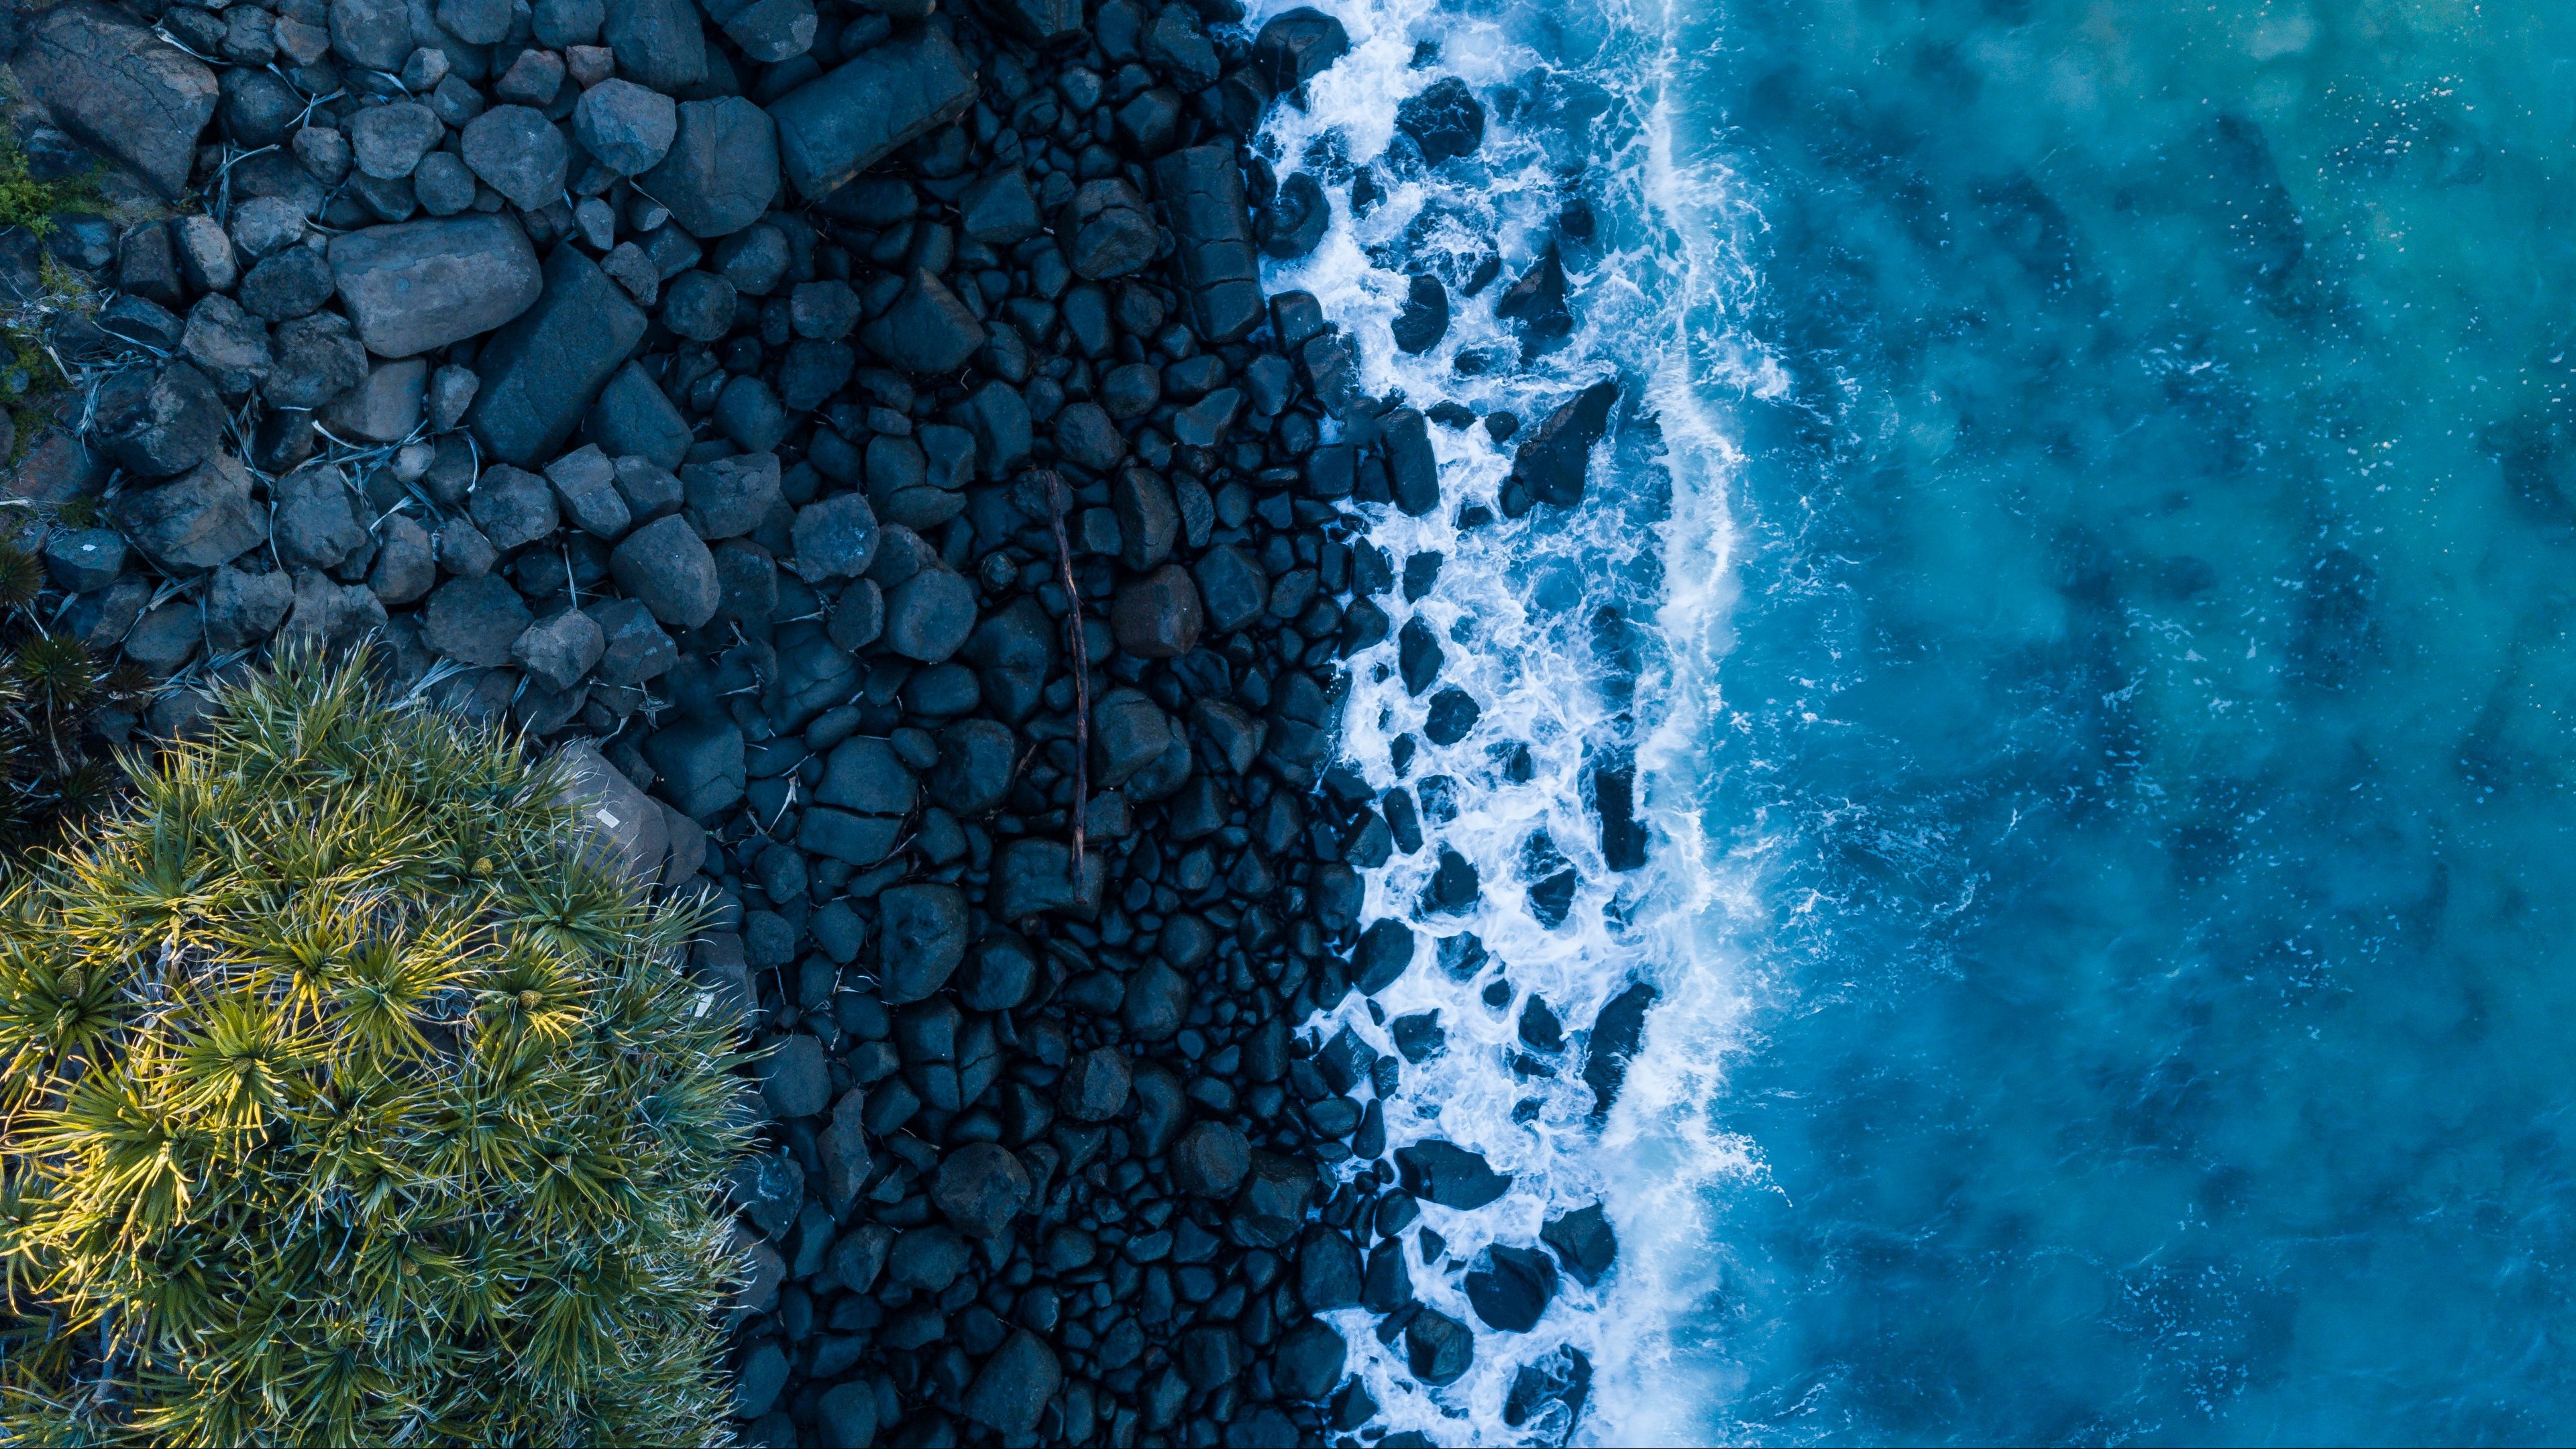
1056,499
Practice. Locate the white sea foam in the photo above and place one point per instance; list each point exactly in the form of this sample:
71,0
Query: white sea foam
1516,606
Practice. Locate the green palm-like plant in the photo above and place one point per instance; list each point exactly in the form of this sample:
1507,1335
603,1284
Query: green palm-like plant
350,1099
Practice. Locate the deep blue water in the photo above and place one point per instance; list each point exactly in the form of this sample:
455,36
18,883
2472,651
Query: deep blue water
2148,720
2083,570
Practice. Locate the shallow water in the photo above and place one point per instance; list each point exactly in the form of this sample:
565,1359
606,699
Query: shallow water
2093,514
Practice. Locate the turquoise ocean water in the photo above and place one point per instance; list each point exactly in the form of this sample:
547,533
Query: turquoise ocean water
2088,556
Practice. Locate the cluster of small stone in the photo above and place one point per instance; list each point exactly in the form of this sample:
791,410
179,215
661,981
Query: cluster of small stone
864,426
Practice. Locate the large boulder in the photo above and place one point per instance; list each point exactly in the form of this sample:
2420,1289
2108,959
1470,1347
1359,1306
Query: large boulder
541,372
1552,463
658,43
721,169
841,123
120,89
1201,189
191,524
420,285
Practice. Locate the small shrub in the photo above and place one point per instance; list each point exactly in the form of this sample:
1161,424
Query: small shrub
349,1101
53,766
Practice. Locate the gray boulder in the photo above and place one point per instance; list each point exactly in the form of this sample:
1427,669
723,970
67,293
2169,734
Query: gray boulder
191,525
474,621
633,417
119,89
513,507
420,285
722,167
158,422
658,43
668,567
313,360
518,153
841,123
312,522
386,142
559,650
927,330
626,126
384,408
541,372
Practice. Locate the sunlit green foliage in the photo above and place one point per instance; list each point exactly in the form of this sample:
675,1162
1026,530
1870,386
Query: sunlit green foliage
349,1101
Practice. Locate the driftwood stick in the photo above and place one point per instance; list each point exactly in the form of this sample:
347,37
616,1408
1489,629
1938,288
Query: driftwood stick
1057,499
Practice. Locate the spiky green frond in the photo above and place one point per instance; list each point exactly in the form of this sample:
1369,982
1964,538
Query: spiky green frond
352,1097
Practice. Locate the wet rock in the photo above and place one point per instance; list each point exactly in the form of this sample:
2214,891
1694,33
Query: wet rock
1438,1348
721,169
1388,1283
1328,1271
474,620
1413,471
1424,318
1451,717
1011,1391
1552,463
845,121
1536,303
541,371
518,153
979,1188
196,522
1294,222
1584,1243
1509,1287
1385,951
119,89
1202,190
1308,1361
926,331
1272,1204
1616,1034
420,285
1450,1175
668,567
1296,46
1445,119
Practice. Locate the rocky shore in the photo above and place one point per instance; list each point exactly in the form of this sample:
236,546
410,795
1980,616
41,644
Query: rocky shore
858,434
